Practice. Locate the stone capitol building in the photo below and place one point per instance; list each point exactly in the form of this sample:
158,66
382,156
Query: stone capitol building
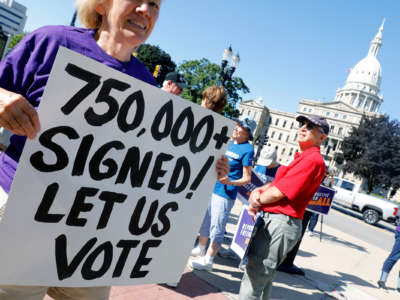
359,96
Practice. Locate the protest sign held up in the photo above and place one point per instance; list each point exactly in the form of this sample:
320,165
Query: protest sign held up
113,190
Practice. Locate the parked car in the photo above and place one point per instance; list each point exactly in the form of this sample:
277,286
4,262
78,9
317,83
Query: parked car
372,208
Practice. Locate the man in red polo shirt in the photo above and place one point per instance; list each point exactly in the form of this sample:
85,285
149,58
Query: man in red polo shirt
283,203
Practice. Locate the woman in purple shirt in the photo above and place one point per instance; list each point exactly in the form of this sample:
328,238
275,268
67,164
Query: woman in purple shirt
114,29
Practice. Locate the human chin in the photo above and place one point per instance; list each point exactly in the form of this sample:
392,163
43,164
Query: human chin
133,38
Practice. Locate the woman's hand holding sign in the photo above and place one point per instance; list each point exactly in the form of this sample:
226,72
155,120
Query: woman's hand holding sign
18,115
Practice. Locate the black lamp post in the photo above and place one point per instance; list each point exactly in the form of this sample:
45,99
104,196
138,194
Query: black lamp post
3,42
229,64
73,19
260,142
194,95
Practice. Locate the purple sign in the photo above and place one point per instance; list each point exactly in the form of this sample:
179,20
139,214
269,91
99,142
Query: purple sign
243,232
322,200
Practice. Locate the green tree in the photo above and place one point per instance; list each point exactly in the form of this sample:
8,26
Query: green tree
372,152
151,56
16,38
200,74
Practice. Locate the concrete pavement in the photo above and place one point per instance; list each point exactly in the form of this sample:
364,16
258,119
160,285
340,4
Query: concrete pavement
338,267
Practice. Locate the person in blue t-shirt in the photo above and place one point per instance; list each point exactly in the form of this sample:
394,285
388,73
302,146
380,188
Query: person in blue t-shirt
240,154
267,165
266,168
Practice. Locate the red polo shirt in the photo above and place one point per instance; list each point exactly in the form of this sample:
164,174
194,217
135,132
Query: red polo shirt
298,182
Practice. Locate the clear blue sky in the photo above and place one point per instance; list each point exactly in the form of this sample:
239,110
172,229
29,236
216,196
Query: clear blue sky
289,49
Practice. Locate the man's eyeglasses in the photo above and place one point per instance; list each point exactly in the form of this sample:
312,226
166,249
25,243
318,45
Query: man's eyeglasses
310,126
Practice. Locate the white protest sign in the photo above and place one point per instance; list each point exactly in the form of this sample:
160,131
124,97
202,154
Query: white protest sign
115,186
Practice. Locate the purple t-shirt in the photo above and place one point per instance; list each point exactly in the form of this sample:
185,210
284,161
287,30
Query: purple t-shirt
27,67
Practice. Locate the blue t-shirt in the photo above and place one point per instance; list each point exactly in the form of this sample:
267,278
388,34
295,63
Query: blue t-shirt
239,155
267,175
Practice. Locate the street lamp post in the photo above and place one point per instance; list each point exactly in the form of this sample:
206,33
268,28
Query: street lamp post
260,142
194,95
229,64
73,19
3,42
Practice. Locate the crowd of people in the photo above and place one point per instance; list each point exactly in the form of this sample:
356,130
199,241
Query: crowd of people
113,30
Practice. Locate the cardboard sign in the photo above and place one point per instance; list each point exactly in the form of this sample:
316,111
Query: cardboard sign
115,186
322,200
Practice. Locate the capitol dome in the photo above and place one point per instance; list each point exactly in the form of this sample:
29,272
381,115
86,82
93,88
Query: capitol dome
362,87
366,71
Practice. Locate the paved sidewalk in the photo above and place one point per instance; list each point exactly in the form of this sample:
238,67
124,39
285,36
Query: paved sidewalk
338,267
190,287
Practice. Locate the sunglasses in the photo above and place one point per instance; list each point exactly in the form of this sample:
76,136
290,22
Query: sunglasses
310,126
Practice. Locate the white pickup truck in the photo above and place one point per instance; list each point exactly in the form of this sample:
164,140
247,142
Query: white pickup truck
372,208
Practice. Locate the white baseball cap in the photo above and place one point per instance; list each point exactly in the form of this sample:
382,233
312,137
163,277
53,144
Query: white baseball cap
268,156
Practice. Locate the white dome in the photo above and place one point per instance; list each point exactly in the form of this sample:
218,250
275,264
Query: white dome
366,71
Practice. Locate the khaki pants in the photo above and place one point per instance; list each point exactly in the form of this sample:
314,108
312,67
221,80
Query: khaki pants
9,292
274,239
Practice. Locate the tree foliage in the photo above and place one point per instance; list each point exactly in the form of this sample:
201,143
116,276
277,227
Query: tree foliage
151,56
372,152
16,38
200,74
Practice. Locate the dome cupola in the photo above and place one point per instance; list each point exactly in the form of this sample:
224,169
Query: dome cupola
368,70
362,86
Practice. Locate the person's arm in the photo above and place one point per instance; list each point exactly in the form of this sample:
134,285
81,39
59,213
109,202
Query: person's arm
271,195
245,179
18,115
262,196
254,200
290,186
17,73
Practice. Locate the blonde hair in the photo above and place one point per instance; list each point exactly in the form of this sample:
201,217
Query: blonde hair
215,98
87,14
